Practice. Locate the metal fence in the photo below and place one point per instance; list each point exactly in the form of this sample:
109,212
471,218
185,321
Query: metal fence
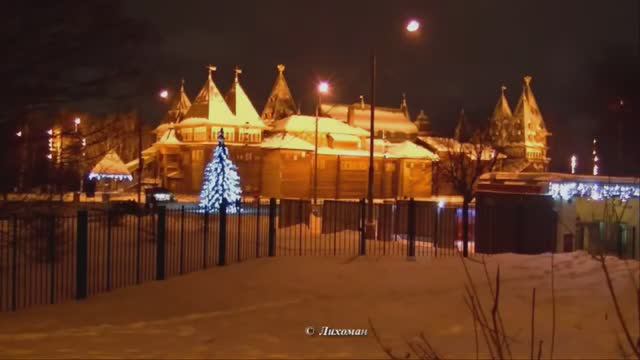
50,259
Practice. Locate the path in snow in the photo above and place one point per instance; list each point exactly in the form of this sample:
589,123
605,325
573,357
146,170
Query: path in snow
259,309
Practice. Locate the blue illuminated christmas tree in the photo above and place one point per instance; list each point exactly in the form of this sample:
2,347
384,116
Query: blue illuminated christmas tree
221,181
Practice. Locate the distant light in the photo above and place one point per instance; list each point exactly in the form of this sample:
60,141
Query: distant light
164,94
440,204
49,156
323,87
574,162
50,132
76,121
19,133
413,26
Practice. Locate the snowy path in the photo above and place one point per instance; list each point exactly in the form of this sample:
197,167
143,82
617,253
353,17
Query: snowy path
259,309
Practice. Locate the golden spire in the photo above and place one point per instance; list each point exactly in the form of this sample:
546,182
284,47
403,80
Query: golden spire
238,71
280,68
211,68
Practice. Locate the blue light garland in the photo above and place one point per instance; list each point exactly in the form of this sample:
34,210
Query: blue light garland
594,191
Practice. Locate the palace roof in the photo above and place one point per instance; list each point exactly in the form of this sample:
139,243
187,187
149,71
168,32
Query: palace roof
280,103
241,106
527,126
179,106
359,114
499,122
209,108
307,124
169,138
110,166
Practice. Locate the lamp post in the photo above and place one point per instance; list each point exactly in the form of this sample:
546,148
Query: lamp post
323,88
413,26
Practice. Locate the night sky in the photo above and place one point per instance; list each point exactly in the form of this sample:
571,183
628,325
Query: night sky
466,50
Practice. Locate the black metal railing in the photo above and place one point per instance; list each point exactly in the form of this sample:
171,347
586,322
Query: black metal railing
52,258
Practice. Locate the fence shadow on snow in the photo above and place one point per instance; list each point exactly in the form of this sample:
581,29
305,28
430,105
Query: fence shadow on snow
51,259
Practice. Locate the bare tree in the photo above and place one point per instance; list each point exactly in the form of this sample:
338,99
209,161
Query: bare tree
462,166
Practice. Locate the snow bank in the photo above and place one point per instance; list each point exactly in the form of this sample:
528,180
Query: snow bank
260,308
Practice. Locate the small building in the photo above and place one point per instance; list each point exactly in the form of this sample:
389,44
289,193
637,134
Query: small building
110,172
538,212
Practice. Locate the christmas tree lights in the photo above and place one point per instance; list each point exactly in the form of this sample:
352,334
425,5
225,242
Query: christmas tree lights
221,181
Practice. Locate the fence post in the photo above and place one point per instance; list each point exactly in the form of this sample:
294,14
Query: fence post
205,244
109,224
436,230
363,239
272,227
138,245
181,259
81,254
258,226
238,236
222,241
14,265
52,257
411,228
161,244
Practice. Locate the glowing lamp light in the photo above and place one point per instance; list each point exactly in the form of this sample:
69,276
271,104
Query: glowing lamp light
19,133
50,132
574,162
49,156
76,121
413,26
323,87
440,204
164,94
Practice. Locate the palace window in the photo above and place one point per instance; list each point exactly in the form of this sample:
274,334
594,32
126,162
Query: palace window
228,134
187,134
200,134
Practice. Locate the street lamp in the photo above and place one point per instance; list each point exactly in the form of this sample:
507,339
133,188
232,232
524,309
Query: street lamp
164,93
370,227
413,25
323,88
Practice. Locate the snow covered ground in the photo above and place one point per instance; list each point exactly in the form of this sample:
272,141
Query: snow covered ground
260,308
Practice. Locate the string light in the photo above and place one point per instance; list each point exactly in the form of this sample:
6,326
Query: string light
596,168
95,176
221,181
594,191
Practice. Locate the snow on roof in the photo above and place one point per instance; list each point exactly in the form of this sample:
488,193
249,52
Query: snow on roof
408,149
304,123
542,177
446,145
344,138
111,166
386,119
241,106
286,141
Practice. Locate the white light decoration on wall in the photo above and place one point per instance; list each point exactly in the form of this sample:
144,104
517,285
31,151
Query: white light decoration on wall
94,176
594,191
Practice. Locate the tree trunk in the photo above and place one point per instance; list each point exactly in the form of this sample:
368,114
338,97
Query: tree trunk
465,227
